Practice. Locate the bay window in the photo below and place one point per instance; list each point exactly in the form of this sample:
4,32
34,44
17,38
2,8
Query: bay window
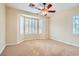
30,25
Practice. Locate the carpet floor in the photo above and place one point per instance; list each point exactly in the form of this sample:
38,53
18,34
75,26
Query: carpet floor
41,48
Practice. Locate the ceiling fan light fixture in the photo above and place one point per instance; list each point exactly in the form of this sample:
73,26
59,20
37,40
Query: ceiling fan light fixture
44,12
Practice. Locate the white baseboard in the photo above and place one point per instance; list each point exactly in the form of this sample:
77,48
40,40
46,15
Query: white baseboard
68,43
20,41
64,42
11,44
14,43
2,49
17,42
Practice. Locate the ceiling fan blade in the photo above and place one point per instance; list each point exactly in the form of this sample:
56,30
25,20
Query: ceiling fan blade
37,8
33,5
52,11
50,5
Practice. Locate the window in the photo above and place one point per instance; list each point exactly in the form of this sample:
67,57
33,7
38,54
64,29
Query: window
21,25
76,24
41,26
31,25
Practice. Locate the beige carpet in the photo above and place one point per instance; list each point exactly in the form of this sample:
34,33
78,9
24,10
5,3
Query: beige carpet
41,48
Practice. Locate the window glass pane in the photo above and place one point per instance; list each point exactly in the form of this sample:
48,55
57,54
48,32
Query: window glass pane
21,25
36,26
76,24
29,26
41,26
76,21
32,26
26,26
77,16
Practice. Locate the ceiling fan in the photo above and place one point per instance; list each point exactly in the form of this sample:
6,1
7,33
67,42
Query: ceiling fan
43,10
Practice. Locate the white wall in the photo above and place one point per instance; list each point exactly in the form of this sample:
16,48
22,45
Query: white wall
2,27
61,26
